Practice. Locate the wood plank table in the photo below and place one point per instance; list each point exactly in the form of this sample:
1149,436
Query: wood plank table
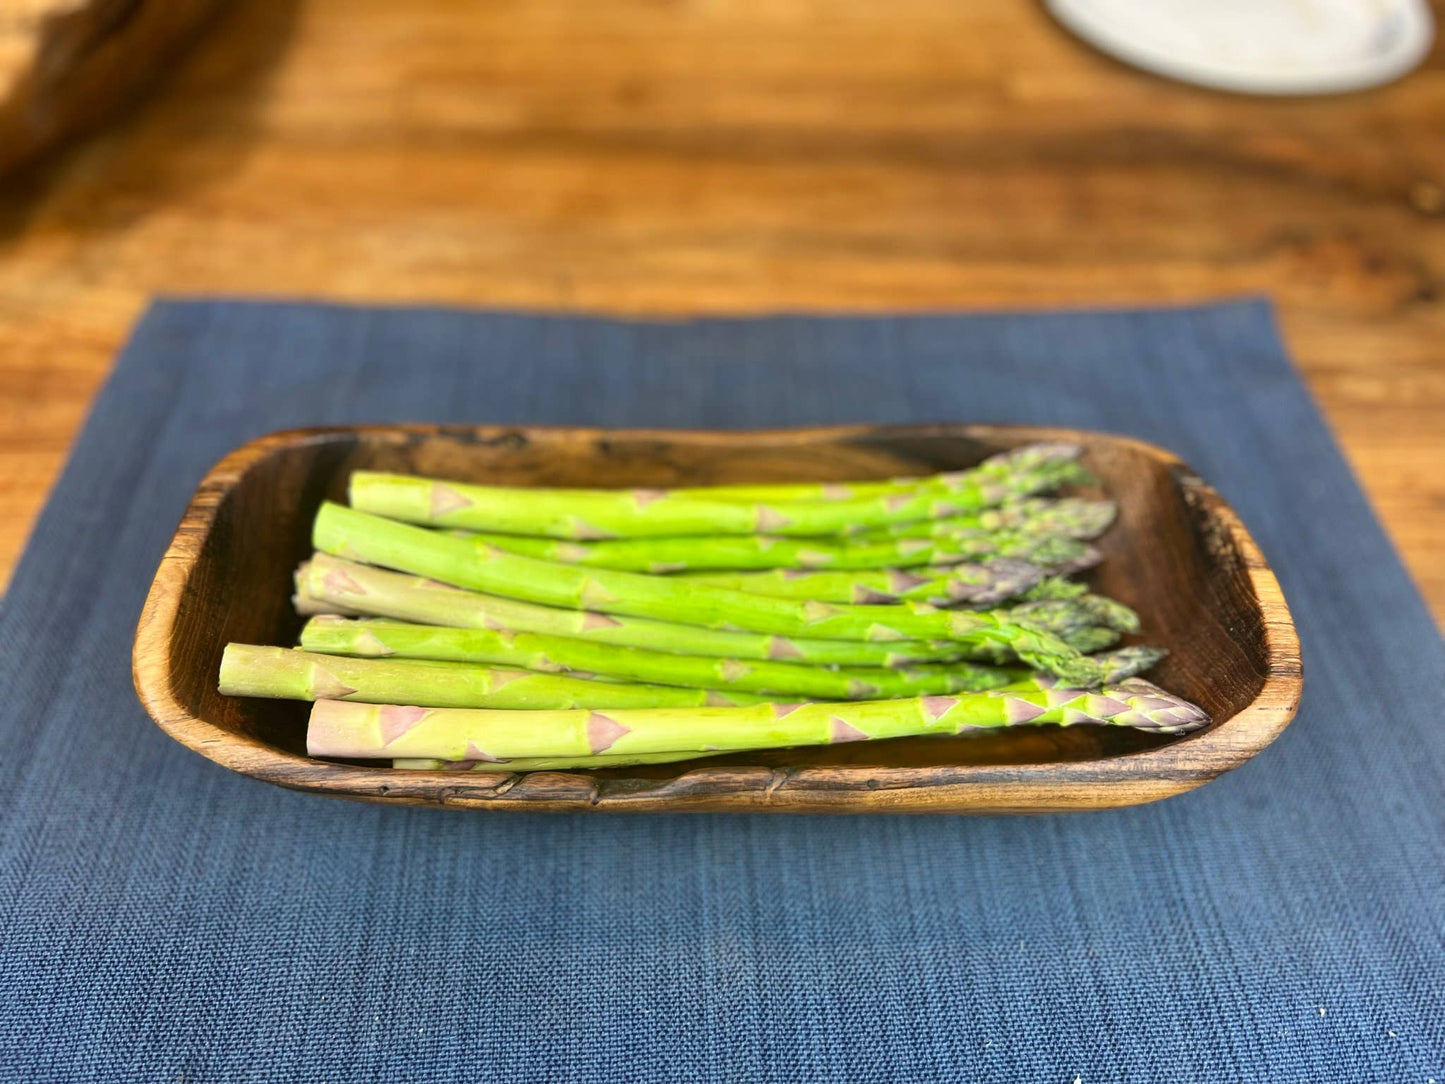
686,156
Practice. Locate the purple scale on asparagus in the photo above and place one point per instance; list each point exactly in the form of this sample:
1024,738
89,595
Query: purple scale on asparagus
585,531
818,611
770,519
780,710
936,707
900,580
327,686
1056,697
395,720
594,594
337,579
1104,707
732,670
591,619
1136,719
602,732
780,647
500,678
868,596
475,753
832,491
445,499
644,497
1153,703
370,645
840,731
1020,711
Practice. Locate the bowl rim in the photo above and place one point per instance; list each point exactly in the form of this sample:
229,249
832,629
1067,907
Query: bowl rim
1126,779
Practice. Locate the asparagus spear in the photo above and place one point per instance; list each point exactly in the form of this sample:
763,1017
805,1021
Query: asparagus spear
371,638
1070,517
410,598
558,653
288,674
981,584
545,764
651,513
1054,587
760,552
1026,458
309,605
1064,615
1085,639
1120,666
342,729
358,535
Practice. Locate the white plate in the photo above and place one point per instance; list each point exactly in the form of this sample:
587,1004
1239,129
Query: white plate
1259,46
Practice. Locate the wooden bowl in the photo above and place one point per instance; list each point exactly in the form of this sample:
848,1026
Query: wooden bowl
1178,554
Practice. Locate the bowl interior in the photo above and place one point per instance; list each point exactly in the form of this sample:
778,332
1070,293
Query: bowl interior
1166,556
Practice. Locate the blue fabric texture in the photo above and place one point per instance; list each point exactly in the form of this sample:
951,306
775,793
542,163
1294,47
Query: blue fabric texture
164,920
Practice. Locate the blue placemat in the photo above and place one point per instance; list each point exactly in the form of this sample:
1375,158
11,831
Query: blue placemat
164,920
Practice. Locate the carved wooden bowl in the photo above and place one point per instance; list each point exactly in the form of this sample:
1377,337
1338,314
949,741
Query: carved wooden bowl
1178,554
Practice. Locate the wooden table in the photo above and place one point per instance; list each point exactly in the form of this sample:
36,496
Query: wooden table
640,156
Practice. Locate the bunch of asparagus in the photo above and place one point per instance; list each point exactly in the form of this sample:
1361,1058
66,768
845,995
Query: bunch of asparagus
510,629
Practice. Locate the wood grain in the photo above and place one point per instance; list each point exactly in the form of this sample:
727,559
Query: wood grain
68,65
682,156
1177,554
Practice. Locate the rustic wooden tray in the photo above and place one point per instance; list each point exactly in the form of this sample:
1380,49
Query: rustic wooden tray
1178,554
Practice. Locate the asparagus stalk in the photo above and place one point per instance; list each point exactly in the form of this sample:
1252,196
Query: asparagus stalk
651,513
1085,639
545,764
762,552
1120,666
416,599
394,639
358,535
1064,615
558,653
339,728
1030,457
1054,587
1071,517
288,674
307,604
981,584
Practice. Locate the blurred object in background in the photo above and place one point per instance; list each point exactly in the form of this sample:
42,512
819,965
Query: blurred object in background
67,65
1259,46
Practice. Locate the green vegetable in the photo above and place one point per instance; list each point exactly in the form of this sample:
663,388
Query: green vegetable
342,729
559,653
289,674
357,535
651,513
